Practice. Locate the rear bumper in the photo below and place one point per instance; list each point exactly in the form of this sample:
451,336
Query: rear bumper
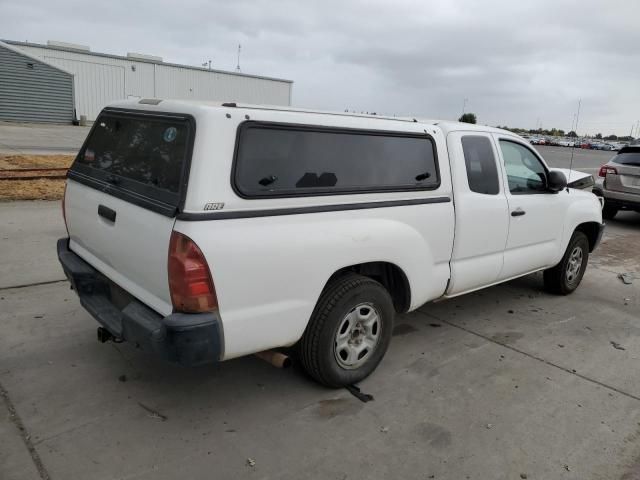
184,338
621,200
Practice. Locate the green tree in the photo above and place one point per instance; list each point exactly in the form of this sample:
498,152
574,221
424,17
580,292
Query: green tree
599,136
468,118
611,137
572,134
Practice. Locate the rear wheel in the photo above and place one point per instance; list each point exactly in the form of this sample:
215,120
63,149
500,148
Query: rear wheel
609,211
565,277
349,331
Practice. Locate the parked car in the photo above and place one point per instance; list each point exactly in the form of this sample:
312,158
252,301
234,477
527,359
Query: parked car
203,232
619,182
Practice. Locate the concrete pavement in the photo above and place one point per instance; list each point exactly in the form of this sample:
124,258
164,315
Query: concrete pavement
588,161
40,139
505,382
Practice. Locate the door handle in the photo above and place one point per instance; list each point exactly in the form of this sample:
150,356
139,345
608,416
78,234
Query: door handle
518,212
107,213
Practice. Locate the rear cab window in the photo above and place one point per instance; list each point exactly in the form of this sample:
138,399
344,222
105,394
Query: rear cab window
276,160
142,158
480,162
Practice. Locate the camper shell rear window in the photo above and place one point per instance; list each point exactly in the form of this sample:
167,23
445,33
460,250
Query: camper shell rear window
141,157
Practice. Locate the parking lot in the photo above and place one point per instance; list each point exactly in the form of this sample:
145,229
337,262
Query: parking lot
505,383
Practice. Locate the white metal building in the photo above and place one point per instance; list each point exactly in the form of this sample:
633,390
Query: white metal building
101,78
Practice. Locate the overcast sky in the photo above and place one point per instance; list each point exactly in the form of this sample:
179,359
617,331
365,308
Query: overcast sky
518,63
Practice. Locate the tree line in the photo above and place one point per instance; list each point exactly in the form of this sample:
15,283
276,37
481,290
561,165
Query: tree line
553,132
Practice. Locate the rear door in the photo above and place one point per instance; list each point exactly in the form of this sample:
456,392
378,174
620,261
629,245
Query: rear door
124,190
627,178
482,221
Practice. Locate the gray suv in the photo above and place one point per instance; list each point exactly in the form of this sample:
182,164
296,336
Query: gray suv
619,182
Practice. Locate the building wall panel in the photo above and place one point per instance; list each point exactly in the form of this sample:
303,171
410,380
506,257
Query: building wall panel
96,84
100,79
32,91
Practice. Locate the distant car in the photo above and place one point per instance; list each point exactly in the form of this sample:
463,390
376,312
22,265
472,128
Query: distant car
609,147
565,143
619,182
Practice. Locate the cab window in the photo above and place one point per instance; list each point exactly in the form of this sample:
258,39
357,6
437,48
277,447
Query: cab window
482,173
525,172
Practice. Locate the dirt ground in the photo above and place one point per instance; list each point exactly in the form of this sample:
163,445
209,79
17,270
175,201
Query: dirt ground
41,189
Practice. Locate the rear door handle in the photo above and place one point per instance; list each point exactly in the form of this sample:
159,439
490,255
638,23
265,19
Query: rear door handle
518,212
107,213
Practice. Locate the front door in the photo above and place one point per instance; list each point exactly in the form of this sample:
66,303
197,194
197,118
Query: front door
536,215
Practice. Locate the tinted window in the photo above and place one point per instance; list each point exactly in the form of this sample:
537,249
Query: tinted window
525,172
278,160
482,172
628,158
138,153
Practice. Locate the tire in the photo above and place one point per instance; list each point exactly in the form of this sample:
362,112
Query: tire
565,277
343,342
609,211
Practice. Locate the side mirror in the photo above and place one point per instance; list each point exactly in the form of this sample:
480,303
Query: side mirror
556,181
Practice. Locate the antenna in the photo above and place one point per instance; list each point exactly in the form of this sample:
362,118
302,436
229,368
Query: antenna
238,65
574,143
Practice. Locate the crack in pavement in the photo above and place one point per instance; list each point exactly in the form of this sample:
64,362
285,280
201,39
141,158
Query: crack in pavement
35,284
532,356
26,438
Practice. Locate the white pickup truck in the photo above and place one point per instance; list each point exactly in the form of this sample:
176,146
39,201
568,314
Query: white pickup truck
203,232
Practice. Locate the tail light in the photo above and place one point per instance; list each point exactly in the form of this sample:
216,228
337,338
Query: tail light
605,169
190,282
64,210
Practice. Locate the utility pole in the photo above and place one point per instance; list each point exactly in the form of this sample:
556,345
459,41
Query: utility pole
238,64
464,105
205,64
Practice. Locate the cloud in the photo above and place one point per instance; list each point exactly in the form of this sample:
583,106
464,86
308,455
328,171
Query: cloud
517,63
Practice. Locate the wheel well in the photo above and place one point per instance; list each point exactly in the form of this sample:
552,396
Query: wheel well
591,230
389,275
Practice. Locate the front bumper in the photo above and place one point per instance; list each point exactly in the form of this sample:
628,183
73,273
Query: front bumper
185,338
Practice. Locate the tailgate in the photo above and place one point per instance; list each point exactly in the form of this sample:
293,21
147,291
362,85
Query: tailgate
627,179
123,193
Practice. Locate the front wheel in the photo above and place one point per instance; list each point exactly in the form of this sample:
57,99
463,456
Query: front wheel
349,331
565,277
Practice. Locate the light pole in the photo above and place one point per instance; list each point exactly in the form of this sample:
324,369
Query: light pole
464,105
